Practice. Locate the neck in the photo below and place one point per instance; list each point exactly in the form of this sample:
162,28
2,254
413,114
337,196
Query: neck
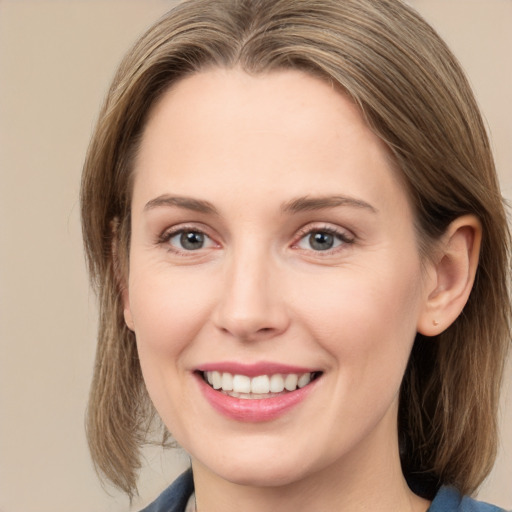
369,478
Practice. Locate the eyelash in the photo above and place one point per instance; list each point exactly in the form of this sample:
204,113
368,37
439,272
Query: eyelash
340,235
168,235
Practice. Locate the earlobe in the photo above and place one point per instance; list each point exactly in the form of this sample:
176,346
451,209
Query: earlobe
120,272
125,297
128,319
451,275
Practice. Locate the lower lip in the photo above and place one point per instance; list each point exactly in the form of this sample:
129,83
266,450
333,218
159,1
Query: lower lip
257,409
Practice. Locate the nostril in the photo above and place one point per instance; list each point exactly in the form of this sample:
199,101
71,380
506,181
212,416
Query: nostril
250,322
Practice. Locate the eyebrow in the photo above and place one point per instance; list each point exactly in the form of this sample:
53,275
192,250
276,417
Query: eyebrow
308,203
196,205
297,205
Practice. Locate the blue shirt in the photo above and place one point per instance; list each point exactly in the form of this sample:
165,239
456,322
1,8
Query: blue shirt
448,499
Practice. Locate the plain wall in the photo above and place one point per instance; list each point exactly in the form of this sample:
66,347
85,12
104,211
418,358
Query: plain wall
56,60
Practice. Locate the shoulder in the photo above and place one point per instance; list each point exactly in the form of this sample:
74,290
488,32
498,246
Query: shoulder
448,499
175,497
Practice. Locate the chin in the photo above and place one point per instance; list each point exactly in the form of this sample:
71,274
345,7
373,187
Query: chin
264,470
262,476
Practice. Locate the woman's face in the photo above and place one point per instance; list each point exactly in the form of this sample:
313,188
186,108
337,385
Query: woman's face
272,248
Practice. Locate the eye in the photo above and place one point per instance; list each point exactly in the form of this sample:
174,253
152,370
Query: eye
189,240
323,240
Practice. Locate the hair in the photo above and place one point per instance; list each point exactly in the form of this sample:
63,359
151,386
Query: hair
415,97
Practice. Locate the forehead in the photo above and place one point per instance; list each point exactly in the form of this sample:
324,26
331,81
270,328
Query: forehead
264,102
234,130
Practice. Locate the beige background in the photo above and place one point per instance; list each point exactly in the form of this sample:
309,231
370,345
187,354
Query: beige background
56,60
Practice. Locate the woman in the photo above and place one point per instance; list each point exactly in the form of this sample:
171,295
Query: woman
292,218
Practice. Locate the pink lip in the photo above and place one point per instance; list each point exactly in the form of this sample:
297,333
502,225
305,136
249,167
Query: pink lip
253,370
254,410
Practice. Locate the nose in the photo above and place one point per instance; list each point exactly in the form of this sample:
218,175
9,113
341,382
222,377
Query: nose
251,305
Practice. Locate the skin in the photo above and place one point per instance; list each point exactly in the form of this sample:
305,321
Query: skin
258,291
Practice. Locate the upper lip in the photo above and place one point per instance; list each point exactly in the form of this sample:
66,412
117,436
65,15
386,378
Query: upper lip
254,369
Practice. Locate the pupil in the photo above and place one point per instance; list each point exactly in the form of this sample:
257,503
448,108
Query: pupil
321,241
191,240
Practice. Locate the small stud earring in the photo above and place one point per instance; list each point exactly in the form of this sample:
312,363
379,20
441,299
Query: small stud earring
435,322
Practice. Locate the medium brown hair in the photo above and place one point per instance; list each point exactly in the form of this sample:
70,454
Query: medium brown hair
415,97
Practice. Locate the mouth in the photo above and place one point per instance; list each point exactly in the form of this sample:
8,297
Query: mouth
257,387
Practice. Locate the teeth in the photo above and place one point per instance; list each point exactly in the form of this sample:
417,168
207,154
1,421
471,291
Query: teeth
227,382
276,383
241,384
260,385
304,380
217,380
290,381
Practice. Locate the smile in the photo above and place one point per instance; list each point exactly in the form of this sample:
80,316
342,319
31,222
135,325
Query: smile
255,393
257,387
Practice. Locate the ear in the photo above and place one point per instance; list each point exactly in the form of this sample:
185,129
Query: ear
127,312
451,275
119,266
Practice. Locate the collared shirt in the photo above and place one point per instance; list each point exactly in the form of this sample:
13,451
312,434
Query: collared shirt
178,497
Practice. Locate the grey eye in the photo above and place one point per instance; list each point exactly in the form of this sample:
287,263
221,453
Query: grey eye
190,240
321,241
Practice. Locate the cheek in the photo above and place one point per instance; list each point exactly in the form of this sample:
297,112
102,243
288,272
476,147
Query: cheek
168,309
168,312
366,320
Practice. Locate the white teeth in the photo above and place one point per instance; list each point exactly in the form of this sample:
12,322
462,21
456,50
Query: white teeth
304,380
241,384
276,383
227,382
290,381
260,385
217,380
